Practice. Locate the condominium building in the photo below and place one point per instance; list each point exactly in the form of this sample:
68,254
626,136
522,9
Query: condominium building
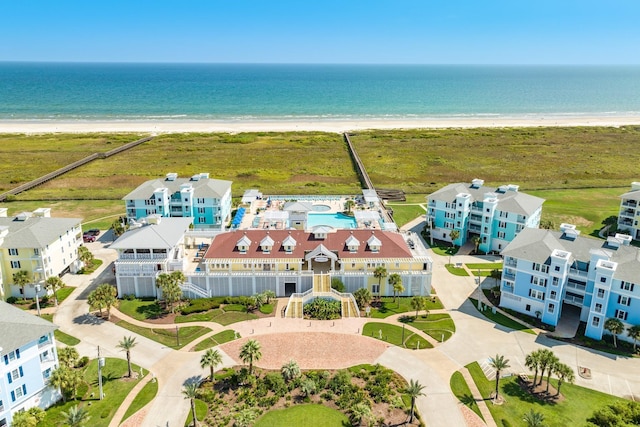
548,272
27,358
206,200
493,215
38,244
146,251
630,212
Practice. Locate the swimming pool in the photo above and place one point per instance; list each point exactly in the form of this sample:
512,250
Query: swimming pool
335,220
321,208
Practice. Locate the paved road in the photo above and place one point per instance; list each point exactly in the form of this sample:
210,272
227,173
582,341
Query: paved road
476,339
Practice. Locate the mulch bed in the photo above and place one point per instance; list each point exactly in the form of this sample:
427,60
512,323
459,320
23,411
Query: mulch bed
539,391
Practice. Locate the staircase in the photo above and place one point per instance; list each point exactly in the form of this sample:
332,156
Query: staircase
321,288
190,287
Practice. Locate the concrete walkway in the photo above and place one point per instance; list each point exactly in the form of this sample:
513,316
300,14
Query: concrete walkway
477,396
476,339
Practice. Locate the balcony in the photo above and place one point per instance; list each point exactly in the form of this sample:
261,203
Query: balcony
142,256
578,273
510,262
629,213
475,218
627,222
475,228
572,284
521,219
44,342
508,275
630,203
574,299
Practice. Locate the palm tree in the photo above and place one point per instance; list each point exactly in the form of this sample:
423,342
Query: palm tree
85,255
212,358
417,303
269,295
533,418
68,356
349,204
127,344
170,285
250,352
118,228
307,387
455,235
564,374
290,370
395,280
190,391
553,361
532,361
360,411
546,357
363,297
633,332
67,380
21,278
380,273
476,242
414,389
104,296
615,326
54,283
499,363
76,416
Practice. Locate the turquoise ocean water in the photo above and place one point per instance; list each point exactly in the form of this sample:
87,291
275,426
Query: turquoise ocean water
72,91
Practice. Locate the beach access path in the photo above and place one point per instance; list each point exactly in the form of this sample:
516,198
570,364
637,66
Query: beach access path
476,339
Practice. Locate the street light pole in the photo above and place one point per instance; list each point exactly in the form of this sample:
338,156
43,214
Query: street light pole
100,365
177,336
38,288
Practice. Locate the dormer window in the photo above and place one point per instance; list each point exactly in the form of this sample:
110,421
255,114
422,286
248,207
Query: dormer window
266,244
243,244
374,243
289,244
352,244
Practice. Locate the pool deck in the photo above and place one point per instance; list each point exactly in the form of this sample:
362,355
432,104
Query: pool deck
335,204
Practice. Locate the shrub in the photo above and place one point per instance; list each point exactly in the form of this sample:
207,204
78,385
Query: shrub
12,300
82,362
129,297
200,305
323,309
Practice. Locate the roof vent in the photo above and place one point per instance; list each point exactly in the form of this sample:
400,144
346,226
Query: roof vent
635,186
171,176
477,183
569,231
513,187
502,189
195,177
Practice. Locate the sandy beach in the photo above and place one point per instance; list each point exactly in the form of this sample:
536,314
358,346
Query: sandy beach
337,126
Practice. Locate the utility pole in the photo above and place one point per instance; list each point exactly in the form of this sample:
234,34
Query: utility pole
38,288
100,365
177,336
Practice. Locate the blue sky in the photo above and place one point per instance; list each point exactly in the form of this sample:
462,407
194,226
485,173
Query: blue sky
327,31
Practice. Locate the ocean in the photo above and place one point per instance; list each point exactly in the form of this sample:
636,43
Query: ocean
120,92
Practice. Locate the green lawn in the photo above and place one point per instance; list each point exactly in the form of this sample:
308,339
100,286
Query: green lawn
115,387
484,266
501,319
95,263
401,305
438,326
460,389
217,339
167,337
141,310
393,335
146,395
303,415
443,249
201,412
404,213
456,271
578,405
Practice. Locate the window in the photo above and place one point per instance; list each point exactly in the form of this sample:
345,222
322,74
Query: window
553,295
501,234
201,210
536,294
200,200
595,321
13,251
202,219
541,268
551,308
375,289
603,279
46,374
504,214
527,307
539,281
621,314
600,293
15,374
626,286
15,264
624,300
557,268
555,281
598,308
502,224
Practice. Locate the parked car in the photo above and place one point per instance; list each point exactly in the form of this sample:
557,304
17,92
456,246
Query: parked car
88,238
93,232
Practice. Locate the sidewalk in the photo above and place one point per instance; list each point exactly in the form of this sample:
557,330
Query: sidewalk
482,404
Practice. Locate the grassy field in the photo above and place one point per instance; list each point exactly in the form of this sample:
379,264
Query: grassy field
578,405
579,171
420,161
115,386
460,389
167,337
393,335
389,307
405,212
146,395
303,415
217,339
